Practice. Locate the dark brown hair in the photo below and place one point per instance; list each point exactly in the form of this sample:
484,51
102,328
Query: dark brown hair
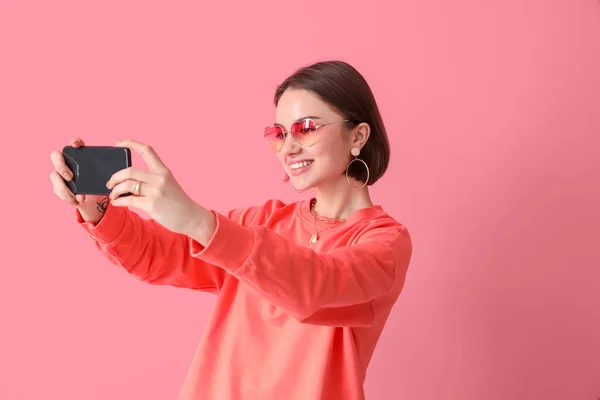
342,87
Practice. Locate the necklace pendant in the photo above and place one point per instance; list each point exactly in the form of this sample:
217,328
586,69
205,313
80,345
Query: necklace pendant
314,238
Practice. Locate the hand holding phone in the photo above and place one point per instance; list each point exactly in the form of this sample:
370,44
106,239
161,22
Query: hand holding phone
90,206
93,166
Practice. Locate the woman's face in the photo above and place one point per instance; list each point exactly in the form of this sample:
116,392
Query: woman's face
327,158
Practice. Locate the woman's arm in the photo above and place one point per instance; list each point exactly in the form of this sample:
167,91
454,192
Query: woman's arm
152,253
92,210
336,288
297,279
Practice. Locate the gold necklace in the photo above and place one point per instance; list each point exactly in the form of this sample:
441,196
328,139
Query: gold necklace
334,222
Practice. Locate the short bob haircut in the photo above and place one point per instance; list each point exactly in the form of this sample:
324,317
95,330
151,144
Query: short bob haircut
342,87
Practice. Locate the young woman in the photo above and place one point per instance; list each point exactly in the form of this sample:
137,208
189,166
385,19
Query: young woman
304,289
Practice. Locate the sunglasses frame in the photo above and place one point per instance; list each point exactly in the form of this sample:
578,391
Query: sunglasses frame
286,133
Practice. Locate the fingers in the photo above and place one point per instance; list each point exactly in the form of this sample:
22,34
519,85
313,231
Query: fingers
127,187
148,154
129,174
62,171
58,162
77,142
61,189
131,201
121,189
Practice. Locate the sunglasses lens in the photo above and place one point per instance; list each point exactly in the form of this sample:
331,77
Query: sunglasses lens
305,132
274,137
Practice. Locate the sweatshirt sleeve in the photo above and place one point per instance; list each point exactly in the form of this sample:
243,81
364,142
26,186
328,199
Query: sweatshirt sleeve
335,288
152,253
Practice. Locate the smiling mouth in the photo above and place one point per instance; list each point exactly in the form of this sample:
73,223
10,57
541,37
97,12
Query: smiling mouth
300,164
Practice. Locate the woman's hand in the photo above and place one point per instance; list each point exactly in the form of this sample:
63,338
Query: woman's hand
91,208
160,195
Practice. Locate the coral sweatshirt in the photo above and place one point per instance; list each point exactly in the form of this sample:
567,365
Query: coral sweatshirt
293,320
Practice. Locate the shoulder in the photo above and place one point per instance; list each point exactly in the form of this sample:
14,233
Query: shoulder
258,214
382,230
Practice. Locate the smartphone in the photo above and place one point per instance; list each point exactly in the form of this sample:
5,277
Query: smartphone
93,166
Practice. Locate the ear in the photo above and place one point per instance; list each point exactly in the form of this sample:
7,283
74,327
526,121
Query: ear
360,135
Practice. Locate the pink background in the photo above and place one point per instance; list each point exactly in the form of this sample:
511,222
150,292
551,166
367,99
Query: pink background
493,110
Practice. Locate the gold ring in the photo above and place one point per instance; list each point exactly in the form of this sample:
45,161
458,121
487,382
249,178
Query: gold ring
136,188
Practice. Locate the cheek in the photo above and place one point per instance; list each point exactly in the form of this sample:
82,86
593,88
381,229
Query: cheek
332,154
331,162
280,157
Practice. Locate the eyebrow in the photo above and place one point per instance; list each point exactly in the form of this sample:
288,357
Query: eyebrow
300,119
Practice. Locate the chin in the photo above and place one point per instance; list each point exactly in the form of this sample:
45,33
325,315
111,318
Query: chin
301,184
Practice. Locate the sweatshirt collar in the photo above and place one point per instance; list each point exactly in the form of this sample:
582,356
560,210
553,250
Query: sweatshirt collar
360,214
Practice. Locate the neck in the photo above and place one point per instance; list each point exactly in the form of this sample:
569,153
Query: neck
339,200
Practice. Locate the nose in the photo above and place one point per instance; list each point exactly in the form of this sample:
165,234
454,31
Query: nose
290,146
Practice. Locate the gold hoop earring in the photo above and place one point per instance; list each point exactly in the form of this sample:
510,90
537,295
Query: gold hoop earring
355,152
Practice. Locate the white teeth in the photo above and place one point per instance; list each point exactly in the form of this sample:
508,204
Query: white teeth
300,164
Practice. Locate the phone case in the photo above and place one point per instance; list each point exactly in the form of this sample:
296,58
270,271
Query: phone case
93,166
